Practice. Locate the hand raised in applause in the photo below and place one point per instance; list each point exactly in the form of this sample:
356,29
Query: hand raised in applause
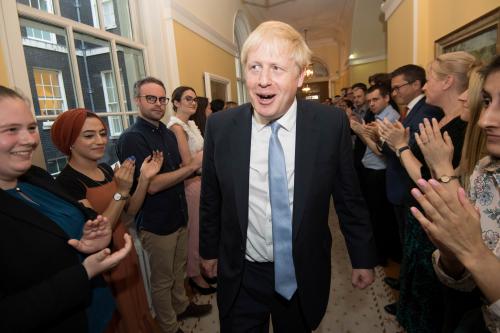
96,236
394,134
124,176
151,165
105,260
436,148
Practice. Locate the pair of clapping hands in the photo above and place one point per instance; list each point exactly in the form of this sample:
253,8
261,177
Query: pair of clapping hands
124,173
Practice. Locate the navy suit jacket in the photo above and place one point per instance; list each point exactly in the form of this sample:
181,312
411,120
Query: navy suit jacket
323,167
397,179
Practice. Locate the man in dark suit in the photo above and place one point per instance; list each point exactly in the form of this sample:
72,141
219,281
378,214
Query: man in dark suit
406,85
269,171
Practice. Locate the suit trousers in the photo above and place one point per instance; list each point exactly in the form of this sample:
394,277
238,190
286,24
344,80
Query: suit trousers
257,301
167,258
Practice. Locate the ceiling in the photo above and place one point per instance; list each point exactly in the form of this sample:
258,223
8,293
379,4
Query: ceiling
325,20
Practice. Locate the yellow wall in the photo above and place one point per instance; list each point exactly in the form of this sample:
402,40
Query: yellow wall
196,55
442,17
436,18
4,79
360,73
400,36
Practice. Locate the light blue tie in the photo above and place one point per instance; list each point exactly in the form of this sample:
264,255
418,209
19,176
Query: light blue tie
284,271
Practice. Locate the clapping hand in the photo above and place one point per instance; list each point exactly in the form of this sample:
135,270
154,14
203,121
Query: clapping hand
451,221
436,148
151,165
104,260
394,134
96,236
124,176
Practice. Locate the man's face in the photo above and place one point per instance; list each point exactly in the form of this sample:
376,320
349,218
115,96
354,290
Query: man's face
272,81
349,94
151,112
377,102
404,91
359,98
489,120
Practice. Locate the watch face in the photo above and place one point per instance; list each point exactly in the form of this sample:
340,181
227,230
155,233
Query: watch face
444,179
117,196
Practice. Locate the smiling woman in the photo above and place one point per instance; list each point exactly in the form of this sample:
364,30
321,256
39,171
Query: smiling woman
50,280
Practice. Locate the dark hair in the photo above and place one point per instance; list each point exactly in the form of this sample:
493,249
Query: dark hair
384,90
141,82
492,67
6,92
217,105
411,73
177,94
359,85
200,117
230,105
380,79
349,103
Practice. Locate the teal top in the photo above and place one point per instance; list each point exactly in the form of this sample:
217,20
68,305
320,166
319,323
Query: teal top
70,219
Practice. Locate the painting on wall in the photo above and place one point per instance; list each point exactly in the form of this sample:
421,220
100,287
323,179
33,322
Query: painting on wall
480,37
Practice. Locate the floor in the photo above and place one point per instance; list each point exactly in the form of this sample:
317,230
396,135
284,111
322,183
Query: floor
349,310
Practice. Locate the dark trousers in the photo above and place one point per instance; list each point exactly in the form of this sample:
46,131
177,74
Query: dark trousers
385,229
257,302
400,212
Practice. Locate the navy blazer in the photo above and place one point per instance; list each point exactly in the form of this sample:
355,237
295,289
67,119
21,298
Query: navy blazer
397,179
323,168
43,285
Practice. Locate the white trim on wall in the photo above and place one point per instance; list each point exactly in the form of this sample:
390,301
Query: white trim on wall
388,7
361,61
186,18
209,77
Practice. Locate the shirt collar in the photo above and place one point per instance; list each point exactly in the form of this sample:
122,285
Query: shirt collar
384,112
415,101
287,121
489,164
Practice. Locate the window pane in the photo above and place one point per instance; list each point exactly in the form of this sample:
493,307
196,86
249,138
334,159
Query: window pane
84,11
45,5
93,56
117,17
49,71
131,63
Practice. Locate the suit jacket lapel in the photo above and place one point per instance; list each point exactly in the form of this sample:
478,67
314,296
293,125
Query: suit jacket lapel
414,111
306,147
240,140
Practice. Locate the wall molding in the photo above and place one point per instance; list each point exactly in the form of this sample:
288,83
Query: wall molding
361,61
186,18
388,7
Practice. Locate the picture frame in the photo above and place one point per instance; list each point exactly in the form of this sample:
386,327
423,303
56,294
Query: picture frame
480,37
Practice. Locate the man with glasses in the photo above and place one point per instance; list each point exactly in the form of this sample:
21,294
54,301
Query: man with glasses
163,216
406,87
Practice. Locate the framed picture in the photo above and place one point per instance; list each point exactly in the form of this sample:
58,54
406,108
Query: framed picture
480,37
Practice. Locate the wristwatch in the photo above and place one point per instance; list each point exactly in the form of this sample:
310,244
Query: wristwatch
118,196
446,179
400,150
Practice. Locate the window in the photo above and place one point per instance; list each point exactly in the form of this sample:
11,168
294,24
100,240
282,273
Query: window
111,98
108,14
65,74
50,91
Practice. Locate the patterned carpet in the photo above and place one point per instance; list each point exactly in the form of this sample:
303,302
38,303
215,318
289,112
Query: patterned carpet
349,310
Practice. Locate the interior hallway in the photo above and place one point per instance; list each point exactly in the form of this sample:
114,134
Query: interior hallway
349,310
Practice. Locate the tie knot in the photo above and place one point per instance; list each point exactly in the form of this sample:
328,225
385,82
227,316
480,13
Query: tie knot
275,126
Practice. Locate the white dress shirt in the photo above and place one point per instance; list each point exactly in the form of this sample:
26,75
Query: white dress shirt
259,246
413,103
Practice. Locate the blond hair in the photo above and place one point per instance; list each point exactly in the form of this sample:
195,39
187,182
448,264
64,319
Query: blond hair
457,64
278,38
475,141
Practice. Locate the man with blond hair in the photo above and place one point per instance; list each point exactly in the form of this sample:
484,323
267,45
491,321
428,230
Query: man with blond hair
270,168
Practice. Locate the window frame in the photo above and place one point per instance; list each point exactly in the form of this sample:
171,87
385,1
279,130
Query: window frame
61,91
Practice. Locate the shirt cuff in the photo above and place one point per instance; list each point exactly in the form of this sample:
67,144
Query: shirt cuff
464,283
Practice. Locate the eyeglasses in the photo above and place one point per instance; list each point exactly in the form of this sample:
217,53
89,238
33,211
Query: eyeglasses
191,99
151,99
396,88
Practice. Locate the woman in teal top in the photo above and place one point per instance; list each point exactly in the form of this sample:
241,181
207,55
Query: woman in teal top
50,257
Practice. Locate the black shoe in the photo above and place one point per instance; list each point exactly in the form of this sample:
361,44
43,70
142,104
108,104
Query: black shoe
204,291
391,308
195,310
392,282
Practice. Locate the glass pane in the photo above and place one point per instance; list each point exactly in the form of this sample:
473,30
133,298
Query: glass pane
131,64
93,57
117,17
84,11
45,5
49,71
